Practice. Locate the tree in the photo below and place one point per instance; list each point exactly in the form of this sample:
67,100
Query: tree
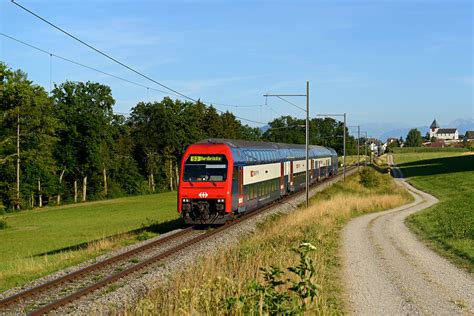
324,132
414,138
27,136
85,111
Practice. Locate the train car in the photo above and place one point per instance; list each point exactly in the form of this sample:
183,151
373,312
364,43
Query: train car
221,178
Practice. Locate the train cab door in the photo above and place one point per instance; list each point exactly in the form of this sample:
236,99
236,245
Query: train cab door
292,178
282,178
241,200
319,169
311,170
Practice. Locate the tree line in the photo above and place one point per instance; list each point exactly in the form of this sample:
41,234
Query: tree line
70,146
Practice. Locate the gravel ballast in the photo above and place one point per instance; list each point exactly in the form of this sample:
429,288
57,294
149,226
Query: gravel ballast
128,291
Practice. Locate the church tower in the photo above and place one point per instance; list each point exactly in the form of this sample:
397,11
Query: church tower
434,128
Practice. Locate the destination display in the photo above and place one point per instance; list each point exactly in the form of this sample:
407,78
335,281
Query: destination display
207,158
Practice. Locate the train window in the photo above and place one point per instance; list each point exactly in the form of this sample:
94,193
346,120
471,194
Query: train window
235,173
205,168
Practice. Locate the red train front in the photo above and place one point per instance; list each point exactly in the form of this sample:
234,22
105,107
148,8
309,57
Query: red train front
204,195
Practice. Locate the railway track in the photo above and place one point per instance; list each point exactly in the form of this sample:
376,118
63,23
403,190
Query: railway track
59,292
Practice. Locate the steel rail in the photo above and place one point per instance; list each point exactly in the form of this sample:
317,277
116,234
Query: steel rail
96,266
140,266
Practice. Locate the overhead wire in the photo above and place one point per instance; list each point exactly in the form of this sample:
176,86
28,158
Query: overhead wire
82,65
283,99
51,54
119,62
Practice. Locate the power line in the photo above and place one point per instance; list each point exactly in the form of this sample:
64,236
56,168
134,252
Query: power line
279,97
119,62
81,65
51,54
101,52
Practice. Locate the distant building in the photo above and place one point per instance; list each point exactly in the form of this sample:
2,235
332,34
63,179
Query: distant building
469,135
443,133
437,144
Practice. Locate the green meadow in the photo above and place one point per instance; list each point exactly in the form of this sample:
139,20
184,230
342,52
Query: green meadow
449,225
40,241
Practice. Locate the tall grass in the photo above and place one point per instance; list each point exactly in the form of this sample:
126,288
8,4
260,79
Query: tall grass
204,287
400,150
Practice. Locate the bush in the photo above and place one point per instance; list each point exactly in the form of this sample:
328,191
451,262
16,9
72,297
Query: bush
369,178
3,224
277,296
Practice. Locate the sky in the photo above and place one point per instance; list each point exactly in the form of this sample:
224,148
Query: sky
385,62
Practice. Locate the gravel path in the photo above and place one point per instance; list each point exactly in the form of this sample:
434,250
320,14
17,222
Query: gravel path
388,271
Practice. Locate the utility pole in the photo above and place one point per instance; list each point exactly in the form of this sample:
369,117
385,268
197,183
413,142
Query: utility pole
366,148
344,159
18,160
280,96
307,143
358,146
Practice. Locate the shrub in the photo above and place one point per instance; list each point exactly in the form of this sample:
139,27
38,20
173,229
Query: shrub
278,296
368,178
3,224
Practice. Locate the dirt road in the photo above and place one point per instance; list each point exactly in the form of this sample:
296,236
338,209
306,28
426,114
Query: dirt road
388,271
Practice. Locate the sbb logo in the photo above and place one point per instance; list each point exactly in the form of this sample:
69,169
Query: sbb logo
203,195
254,173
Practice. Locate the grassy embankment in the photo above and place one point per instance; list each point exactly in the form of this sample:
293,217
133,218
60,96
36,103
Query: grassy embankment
352,160
448,225
206,287
38,242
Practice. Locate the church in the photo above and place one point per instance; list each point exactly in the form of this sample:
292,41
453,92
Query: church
443,133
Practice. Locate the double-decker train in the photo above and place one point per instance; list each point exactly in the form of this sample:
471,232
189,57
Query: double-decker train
221,178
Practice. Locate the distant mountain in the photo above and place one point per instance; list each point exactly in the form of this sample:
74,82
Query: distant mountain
383,131
462,125
264,128
403,132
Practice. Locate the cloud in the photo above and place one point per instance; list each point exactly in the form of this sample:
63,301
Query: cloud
465,80
200,85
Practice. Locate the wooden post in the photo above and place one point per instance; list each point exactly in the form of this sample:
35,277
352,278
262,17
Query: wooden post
171,175
105,181
177,175
84,189
75,191
17,206
40,198
60,181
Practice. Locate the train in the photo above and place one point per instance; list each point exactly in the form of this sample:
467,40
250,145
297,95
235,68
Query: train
222,178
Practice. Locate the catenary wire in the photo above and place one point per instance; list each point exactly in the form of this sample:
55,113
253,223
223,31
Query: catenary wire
119,62
283,99
115,76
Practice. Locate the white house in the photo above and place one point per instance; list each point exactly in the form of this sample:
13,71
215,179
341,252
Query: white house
443,133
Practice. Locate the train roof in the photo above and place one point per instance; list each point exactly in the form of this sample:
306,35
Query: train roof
245,151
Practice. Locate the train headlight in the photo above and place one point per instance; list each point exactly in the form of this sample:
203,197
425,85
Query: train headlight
186,201
220,200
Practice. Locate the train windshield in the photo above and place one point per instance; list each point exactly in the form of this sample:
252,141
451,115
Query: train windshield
205,168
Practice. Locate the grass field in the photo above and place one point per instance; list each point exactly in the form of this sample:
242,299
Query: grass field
449,225
350,160
38,242
206,287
